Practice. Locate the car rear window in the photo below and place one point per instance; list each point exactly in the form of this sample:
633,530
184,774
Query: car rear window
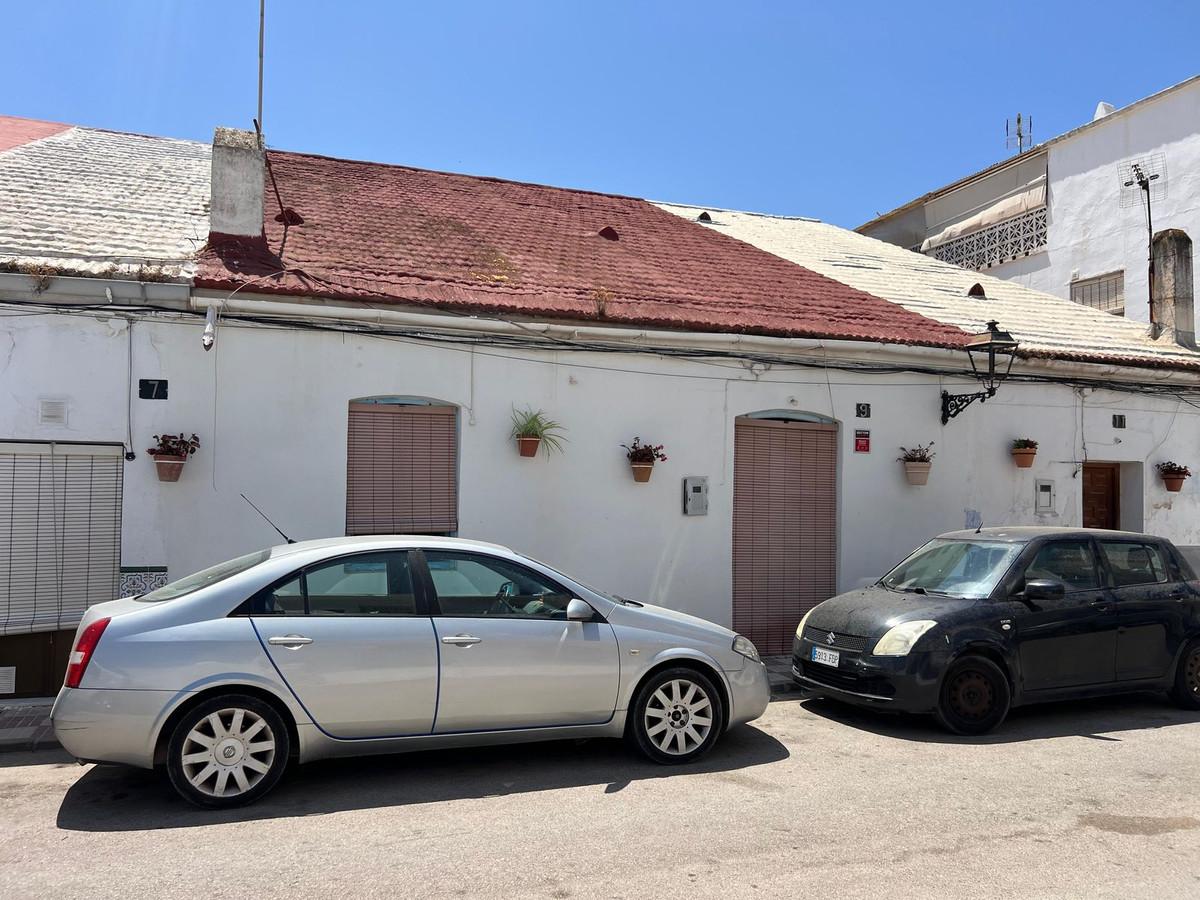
205,577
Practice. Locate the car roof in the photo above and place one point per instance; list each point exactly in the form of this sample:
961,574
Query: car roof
386,541
1023,534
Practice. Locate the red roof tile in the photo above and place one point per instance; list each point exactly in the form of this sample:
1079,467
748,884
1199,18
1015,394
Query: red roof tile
481,245
14,132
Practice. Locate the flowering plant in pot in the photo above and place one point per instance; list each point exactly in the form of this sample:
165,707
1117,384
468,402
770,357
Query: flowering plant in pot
1023,452
642,458
532,429
171,453
917,462
1173,475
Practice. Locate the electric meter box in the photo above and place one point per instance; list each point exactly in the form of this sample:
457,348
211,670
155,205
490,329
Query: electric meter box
695,495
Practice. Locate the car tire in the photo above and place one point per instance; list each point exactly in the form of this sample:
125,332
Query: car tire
227,751
1186,692
974,697
676,716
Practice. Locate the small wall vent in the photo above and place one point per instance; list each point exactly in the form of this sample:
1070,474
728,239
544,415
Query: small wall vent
705,218
8,679
52,412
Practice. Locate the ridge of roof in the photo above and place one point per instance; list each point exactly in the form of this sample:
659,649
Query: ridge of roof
63,126
494,179
1020,157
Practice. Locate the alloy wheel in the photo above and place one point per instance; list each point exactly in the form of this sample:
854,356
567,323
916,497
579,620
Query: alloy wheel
678,716
228,752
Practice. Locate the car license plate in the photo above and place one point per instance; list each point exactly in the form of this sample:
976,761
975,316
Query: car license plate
825,657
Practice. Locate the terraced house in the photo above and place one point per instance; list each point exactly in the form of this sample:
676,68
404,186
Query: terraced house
349,341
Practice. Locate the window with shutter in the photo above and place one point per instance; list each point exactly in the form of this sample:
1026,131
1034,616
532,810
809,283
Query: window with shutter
402,469
60,532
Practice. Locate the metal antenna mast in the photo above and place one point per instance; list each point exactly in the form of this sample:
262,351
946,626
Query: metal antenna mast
262,20
1143,181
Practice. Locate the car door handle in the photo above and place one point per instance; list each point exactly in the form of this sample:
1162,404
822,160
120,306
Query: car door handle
1101,603
290,641
461,640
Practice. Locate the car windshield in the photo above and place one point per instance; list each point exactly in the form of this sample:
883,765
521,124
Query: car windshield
958,568
204,578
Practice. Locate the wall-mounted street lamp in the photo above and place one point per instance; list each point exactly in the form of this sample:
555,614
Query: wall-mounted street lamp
991,353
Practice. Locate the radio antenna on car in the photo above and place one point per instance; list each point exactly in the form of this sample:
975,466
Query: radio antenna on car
269,522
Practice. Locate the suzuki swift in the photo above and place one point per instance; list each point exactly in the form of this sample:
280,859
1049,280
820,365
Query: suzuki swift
976,622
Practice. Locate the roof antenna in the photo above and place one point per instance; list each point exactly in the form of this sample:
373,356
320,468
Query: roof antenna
977,530
269,522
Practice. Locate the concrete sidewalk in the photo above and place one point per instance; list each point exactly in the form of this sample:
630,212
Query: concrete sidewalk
25,724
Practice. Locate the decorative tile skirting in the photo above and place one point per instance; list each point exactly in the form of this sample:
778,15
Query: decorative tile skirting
140,579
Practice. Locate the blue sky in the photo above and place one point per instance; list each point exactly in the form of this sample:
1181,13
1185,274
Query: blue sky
834,110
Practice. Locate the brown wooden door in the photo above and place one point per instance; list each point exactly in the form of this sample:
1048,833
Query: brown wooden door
784,527
1101,495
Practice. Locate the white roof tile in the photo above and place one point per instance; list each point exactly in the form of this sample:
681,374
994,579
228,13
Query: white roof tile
85,200
1042,323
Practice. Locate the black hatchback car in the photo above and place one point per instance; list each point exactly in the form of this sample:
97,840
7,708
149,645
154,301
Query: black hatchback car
976,622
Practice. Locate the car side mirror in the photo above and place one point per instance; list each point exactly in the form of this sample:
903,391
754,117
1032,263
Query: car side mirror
579,611
1044,589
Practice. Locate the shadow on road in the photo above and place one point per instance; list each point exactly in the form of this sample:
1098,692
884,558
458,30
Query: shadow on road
1101,719
113,798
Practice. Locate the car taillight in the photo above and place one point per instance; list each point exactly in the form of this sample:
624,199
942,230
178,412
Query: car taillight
84,648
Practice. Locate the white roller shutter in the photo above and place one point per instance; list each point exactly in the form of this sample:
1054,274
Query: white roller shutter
60,532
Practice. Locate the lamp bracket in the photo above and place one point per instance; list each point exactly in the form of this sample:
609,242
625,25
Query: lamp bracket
953,404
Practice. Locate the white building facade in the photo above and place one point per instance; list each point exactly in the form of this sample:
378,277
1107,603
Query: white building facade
793,440
1059,218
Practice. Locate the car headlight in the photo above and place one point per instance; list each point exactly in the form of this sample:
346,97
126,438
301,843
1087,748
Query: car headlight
800,627
901,639
745,647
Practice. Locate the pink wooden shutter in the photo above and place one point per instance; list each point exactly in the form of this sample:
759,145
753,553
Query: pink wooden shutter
402,469
784,526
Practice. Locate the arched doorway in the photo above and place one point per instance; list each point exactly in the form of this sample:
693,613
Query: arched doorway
784,523
402,466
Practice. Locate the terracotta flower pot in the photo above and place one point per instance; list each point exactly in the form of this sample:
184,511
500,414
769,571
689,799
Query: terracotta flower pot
641,471
1023,456
917,472
1174,483
528,446
169,467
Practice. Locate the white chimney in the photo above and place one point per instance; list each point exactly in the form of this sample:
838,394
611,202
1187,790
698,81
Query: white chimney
1103,108
237,184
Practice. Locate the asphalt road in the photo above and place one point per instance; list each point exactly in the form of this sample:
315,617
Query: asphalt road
1086,800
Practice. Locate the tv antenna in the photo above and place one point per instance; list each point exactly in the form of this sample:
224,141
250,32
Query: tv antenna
1143,181
1019,135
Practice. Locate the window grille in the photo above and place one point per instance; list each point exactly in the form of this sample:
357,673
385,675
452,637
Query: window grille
60,533
1104,292
996,244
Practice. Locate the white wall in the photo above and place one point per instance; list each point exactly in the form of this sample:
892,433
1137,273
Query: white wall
270,407
1089,232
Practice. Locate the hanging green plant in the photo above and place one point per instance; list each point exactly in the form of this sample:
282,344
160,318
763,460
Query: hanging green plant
531,429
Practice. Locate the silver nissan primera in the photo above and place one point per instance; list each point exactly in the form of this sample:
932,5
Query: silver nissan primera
385,644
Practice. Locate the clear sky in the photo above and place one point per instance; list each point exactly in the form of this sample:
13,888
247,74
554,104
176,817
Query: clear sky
835,110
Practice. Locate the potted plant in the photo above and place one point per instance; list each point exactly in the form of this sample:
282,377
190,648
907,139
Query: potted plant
917,462
1023,452
532,429
1173,475
642,458
171,453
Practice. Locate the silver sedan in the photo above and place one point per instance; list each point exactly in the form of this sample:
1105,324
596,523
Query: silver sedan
366,645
